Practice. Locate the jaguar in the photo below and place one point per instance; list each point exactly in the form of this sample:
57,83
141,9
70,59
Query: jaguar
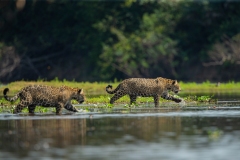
145,87
46,96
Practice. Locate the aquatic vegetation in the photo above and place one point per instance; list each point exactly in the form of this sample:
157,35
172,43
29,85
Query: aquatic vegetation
204,98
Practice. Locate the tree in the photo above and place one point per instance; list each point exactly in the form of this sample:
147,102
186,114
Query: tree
225,52
9,60
146,52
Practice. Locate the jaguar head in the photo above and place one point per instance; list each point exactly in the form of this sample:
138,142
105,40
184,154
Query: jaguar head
174,87
80,96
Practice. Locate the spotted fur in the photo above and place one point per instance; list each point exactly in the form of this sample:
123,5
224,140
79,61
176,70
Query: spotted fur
144,87
46,96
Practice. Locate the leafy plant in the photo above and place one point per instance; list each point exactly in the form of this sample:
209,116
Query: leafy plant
203,98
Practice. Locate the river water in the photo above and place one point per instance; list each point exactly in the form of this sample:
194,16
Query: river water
180,134
190,132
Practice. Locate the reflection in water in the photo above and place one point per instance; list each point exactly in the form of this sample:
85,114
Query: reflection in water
20,136
173,135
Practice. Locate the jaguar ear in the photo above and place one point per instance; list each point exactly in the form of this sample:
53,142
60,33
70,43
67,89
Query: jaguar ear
174,82
80,91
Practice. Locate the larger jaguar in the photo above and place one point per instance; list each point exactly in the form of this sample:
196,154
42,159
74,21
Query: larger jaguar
46,96
145,87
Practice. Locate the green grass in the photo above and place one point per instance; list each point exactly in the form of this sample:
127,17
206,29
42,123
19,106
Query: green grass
89,88
210,87
98,88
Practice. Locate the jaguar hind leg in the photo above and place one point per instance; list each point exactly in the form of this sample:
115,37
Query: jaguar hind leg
19,108
133,99
116,97
24,102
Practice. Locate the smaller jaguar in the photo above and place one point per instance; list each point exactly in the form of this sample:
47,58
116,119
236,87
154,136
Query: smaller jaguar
46,96
145,87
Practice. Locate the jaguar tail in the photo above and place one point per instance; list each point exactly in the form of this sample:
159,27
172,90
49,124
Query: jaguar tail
111,91
11,99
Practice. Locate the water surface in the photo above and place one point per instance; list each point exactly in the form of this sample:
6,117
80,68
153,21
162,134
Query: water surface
164,134
173,132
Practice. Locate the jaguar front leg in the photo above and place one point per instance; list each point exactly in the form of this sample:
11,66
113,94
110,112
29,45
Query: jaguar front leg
156,100
167,96
70,107
59,109
177,100
31,108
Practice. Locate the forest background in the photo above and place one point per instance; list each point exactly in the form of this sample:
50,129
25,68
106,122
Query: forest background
188,40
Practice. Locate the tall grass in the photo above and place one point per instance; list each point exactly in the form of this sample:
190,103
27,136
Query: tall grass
98,88
210,87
